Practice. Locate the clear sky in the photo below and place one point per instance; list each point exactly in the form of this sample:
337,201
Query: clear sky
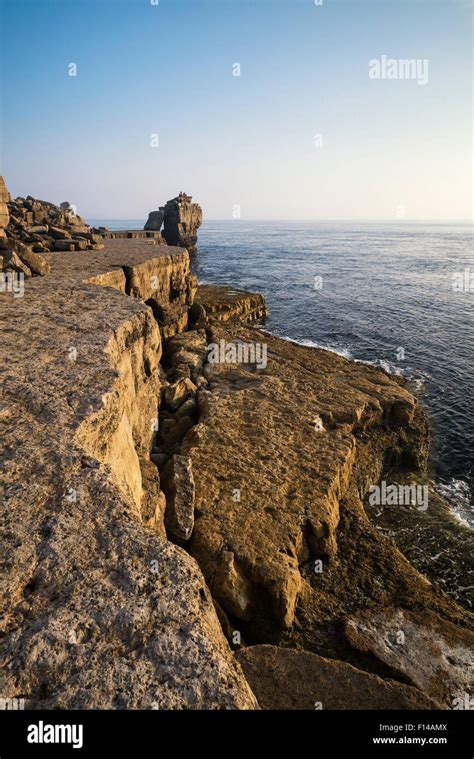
388,147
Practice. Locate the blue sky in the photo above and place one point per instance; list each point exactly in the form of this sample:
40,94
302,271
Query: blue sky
247,141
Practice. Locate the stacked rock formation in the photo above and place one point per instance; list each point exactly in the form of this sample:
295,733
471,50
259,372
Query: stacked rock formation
47,227
15,257
181,218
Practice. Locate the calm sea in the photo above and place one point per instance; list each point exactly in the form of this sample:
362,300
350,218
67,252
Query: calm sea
396,295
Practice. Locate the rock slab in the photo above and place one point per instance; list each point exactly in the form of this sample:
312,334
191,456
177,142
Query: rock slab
282,678
98,611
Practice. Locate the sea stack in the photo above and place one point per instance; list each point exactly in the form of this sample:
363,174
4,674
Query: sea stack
181,218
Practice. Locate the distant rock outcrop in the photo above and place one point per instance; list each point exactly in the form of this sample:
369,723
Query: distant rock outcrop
181,218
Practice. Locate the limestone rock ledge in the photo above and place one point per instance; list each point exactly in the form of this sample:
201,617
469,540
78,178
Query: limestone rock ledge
98,610
286,679
282,454
223,302
273,455
264,469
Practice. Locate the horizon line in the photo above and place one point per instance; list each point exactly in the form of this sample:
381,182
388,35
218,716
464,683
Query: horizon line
401,221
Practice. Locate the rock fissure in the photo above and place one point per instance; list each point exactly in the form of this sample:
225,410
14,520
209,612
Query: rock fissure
98,508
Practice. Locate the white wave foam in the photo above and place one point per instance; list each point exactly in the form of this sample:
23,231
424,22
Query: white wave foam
416,378
458,494
344,352
381,363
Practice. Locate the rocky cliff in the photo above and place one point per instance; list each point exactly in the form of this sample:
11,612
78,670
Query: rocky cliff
99,610
184,519
281,455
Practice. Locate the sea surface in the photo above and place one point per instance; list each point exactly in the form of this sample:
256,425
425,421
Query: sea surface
395,294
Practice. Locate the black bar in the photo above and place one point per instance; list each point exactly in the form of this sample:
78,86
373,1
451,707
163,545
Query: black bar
137,732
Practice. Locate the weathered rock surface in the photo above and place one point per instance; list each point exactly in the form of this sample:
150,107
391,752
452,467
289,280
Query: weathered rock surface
98,611
17,257
264,467
427,651
154,273
181,219
177,482
282,678
186,354
176,394
129,234
161,278
45,226
257,440
155,220
282,456
225,302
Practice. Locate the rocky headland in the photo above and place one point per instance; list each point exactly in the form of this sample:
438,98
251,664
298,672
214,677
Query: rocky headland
183,504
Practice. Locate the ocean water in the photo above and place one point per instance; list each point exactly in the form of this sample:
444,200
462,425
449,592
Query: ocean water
394,294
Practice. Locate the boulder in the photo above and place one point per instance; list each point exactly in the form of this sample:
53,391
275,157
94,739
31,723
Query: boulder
174,395
155,220
153,505
172,439
11,261
58,233
80,244
177,482
187,409
64,245
283,678
226,303
187,354
34,261
425,650
19,257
